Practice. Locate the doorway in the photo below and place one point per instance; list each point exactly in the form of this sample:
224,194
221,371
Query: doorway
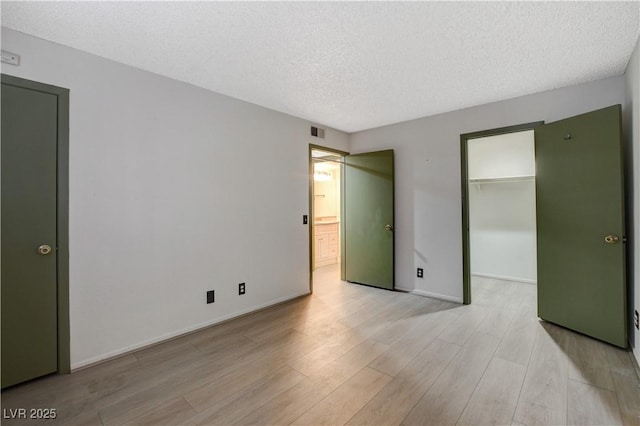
35,290
358,204
326,231
580,232
499,214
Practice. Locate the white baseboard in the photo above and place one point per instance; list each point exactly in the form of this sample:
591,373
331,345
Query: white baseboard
503,278
169,336
438,296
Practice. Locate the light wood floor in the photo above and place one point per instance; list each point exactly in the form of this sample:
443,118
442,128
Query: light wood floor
354,355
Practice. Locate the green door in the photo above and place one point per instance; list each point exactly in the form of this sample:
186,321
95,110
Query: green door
368,219
580,225
29,287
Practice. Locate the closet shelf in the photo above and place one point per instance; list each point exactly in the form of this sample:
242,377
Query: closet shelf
503,179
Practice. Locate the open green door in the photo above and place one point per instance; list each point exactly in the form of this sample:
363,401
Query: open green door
368,218
580,225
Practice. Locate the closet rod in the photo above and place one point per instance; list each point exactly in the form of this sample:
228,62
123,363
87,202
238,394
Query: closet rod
503,179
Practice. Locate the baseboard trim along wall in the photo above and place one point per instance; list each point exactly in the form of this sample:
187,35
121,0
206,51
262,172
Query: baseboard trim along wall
438,296
500,277
180,333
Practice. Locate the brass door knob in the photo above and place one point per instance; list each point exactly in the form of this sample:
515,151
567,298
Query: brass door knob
44,249
388,228
611,239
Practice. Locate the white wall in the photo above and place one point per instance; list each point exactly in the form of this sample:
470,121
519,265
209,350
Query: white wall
631,122
172,192
428,189
502,230
506,155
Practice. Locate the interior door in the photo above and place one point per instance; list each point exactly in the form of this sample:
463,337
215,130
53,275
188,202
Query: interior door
29,194
368,218
580,225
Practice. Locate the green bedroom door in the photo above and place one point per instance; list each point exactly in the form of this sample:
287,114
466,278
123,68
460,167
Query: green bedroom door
369,219
580,225
29,196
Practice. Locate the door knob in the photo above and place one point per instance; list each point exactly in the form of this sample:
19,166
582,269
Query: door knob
44,249
388,228
611,239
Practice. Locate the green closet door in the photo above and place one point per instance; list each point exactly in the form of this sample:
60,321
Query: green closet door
580,225
29,217
368,217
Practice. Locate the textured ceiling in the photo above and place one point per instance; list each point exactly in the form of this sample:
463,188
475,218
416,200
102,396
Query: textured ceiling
350,65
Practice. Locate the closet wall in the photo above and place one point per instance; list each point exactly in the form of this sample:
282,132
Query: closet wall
502,220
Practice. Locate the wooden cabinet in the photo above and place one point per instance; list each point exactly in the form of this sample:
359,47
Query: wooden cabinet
326,244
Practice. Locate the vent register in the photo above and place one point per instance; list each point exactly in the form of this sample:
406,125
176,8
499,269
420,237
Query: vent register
317,132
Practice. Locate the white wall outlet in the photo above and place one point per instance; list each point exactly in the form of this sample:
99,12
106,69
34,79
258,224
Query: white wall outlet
10,58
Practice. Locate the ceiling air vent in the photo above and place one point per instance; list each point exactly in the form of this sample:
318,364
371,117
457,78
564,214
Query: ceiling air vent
317,132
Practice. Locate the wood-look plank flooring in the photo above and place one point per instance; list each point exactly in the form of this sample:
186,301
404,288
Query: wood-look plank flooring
350,354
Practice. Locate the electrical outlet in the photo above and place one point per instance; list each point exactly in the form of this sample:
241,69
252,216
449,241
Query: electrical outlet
420,273
211,296
636,320
241,288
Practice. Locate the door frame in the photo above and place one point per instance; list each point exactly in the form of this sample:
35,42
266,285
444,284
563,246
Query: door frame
310,220
62,207
464,169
